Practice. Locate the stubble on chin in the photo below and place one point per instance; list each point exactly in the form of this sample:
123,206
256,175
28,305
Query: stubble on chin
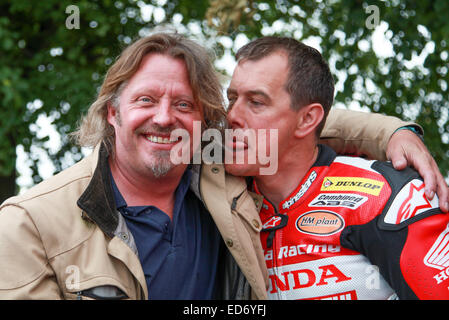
161,164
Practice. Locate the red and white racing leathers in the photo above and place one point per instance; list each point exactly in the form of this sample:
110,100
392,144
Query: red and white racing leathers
356,229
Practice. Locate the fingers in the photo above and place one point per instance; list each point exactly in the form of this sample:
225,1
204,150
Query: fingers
397,149
443,195
405,148
434,182
430,180
398,160
398,157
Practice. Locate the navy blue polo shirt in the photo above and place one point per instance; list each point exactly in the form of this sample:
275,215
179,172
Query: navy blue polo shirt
179,257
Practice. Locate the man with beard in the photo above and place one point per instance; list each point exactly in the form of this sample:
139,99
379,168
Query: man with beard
125,222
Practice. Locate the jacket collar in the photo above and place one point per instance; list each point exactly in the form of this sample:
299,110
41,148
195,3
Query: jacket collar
326,156
97,201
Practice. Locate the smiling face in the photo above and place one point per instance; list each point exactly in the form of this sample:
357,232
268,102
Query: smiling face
258,100
155,101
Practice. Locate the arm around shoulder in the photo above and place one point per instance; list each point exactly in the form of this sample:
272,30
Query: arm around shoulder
26,273
361,133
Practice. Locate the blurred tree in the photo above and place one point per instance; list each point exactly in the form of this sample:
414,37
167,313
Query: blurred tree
395,63
58,68
406,77
48,68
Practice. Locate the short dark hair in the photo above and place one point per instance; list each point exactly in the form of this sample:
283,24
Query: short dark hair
309,78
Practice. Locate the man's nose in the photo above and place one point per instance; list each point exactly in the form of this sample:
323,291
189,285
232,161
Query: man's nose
235,116
164,116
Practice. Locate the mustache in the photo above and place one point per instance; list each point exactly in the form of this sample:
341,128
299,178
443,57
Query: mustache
154,128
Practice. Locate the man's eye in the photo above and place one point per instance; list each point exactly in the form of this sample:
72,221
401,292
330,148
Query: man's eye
256,103
184,105
146,99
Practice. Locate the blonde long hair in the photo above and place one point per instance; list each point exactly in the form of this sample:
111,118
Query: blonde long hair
203,78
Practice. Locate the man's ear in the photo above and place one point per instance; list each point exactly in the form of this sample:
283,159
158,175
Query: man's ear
309,118
112,114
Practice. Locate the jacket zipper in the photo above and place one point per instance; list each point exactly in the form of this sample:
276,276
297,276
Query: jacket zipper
275,255
81,294
274,246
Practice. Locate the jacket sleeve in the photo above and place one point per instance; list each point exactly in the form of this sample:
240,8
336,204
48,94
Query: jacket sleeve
360,133
25,271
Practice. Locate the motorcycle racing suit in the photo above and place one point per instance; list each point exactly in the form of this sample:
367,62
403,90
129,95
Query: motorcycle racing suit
356,229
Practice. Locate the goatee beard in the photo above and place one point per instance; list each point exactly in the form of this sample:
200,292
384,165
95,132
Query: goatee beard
162,163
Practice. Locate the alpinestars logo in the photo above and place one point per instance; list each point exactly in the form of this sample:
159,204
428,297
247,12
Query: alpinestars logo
415,201
410,202
272,222
287,204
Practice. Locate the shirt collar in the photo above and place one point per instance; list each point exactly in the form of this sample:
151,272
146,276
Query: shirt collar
180,194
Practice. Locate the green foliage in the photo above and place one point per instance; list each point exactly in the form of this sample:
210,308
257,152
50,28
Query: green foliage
41,59
397,84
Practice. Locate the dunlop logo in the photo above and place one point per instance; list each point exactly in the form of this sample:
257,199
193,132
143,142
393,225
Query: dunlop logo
364,185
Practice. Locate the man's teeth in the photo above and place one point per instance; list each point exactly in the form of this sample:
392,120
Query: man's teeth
158,139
